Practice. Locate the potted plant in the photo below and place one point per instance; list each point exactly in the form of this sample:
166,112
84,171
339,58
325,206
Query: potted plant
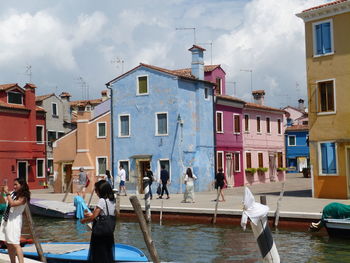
281,169
250,171
262,170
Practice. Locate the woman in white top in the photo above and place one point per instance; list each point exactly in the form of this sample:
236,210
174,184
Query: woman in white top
11,225
189,181
101,247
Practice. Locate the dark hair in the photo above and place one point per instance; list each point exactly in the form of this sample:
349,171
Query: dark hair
189,172
121,166
221,170
104,190
163,166
108,173
24,190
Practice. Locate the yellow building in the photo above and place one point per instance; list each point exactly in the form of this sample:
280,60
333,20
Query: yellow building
327,38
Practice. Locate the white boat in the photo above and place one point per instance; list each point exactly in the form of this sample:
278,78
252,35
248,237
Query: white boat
338,227
51,208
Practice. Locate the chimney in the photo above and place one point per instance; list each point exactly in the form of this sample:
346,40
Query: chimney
104,95
258,96
301,105
65,97
197,64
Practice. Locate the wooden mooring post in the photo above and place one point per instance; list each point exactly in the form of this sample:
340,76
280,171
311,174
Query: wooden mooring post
68,189
35,238
277,213
145,230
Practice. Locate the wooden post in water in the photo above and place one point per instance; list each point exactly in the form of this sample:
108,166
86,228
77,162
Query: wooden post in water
117,205
143,225
263,199
68,189
147,199
32,230
91,195
216,205
161,213
277,213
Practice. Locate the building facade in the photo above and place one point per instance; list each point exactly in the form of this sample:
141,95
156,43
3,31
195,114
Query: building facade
164,117
22,136
327,41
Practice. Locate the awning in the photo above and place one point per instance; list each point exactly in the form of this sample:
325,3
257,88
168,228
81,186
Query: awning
141,156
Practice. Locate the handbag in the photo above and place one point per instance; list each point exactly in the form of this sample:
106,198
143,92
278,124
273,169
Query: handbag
87,182
159,189
104,225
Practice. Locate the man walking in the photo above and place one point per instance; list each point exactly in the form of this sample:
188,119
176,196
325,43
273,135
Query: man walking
122,177
164,177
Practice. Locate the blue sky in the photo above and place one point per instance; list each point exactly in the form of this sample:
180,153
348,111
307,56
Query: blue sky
69,42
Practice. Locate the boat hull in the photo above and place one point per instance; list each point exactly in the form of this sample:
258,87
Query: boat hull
48,208
338,227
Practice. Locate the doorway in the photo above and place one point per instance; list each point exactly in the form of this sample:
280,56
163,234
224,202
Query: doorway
142,172
22,170
229,170
66,177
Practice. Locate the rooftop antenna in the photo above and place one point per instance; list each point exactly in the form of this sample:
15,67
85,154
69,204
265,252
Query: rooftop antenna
83,84
211,50
118,60
29,72
251,79
189,28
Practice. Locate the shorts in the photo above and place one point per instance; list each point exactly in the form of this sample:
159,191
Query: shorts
81,188
122,183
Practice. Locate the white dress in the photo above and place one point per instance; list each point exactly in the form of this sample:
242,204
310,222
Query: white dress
189,192
10,231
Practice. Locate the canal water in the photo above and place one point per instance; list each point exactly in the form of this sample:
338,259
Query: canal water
183,242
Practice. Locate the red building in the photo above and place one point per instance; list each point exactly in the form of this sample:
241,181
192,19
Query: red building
22,136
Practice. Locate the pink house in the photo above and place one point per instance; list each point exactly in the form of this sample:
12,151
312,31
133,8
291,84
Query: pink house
263,141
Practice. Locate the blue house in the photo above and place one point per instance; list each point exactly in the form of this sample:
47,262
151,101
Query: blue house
297,148
163,117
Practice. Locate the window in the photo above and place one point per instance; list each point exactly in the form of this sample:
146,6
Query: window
279,159
142,85
218,86
268,127
246,123
15,98
328,158
54,109
291,140
237,123
101,165
206,93
50,166
236,162
219,122
323,38
60,134
279,129
248,157
258,127
51,136
260,160
40,168
125,165
220,160
40,134
124,125
101,130
162,124
325,96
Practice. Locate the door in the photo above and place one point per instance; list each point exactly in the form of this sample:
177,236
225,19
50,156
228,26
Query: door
272,167
66,177
142,172
22,170
229,170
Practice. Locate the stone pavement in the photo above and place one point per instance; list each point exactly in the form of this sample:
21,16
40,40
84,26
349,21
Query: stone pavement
296,203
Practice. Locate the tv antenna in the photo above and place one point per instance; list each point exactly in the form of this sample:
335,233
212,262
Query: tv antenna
189,28
84,87
118,61
29,72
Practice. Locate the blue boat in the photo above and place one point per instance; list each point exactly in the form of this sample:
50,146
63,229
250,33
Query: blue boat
77,252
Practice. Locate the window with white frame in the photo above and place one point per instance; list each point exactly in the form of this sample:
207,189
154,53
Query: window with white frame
328,158
248,159
51,136
219,122
124,125
40,169
292,140
101,130
268,125
237,166
325,96
246,123
323,37
218,86
237,123
162,123
142,85
279,127
14,97
220,160
39,134
54,109
101,165
125,165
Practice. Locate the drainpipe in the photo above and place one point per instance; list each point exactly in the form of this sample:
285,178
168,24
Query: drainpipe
214,130
109,86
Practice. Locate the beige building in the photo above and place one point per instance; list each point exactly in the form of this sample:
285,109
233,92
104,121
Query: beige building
327,38
87,146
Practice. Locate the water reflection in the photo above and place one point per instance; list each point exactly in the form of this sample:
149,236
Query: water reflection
179,242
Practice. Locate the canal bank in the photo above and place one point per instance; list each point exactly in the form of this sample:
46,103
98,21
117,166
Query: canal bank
297,205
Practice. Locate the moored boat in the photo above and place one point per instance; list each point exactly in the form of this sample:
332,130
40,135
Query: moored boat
51,208
337,227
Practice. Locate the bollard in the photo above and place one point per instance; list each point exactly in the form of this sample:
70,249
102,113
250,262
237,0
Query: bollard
147,199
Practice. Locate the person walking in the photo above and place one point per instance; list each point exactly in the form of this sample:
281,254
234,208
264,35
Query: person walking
149,174
189,182
109,178
101,246
122,177
82,182
164,178
11,225
220,182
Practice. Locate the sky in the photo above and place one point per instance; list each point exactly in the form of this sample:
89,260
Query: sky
78,46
